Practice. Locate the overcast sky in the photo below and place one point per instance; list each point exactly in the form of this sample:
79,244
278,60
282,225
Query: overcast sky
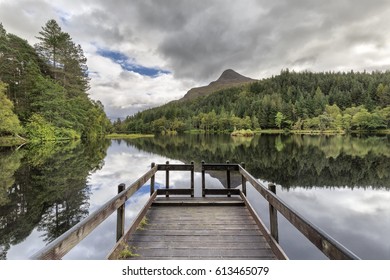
144,53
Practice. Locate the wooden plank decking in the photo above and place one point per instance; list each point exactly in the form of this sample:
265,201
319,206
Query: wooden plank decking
199,228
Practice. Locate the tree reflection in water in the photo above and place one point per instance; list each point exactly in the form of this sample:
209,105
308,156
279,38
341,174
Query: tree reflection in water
45,186
291,161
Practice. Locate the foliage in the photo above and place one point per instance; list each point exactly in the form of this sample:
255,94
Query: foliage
38,129
243,133
279,119
320,101
127,136
144,222
9,163
9,122
127,253
50,81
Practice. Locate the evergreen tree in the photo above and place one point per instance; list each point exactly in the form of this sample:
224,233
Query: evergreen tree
9,122
306,100
52,40
67,59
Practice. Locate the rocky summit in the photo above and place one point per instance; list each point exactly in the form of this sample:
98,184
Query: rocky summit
229,78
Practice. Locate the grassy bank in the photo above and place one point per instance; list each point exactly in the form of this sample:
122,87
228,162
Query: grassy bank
127,136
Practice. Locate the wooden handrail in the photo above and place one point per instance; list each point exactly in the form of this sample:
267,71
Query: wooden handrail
329,246
64,243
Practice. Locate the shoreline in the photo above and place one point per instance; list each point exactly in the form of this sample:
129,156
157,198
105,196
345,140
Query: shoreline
303,132
127,136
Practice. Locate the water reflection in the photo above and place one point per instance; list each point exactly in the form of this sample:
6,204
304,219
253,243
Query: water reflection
357,218
297,160
339,183
45,190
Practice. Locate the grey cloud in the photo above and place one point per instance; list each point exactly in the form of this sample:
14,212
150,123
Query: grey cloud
274,39
100,26
197,40
23,18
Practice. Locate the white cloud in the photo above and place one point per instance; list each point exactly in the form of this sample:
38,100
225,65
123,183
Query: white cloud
125,92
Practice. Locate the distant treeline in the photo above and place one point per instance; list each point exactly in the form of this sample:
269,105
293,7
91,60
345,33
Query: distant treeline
43,89
291,100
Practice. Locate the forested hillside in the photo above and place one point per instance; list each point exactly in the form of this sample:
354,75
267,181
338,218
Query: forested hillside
291,100
43,89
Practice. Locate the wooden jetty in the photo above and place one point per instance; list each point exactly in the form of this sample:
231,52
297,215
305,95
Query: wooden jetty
174,224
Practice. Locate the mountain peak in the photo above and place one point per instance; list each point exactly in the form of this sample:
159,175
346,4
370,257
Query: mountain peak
228,78
229,75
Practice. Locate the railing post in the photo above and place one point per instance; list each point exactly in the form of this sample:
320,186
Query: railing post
120,216
203,180
243,180
273,215
152,179
192,178
228,179
167,179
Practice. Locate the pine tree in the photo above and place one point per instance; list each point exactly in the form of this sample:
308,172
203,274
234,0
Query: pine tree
52,39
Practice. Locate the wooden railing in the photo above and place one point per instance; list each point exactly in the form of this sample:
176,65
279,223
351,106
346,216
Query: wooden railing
63,244
68,240
325,243
174,167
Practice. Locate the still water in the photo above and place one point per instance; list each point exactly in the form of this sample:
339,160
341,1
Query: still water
339,183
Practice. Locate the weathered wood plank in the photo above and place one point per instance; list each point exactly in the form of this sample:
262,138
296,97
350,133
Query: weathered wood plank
205,203
152,180
120,216
220,167
200,232
189,238
167,179
174,191
273,216
162,244
208,232
185,215
197,199
175,167
205,253
206,226
192,178
202,221
222,191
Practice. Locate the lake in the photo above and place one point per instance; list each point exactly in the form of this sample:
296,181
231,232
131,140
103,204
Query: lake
339,183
